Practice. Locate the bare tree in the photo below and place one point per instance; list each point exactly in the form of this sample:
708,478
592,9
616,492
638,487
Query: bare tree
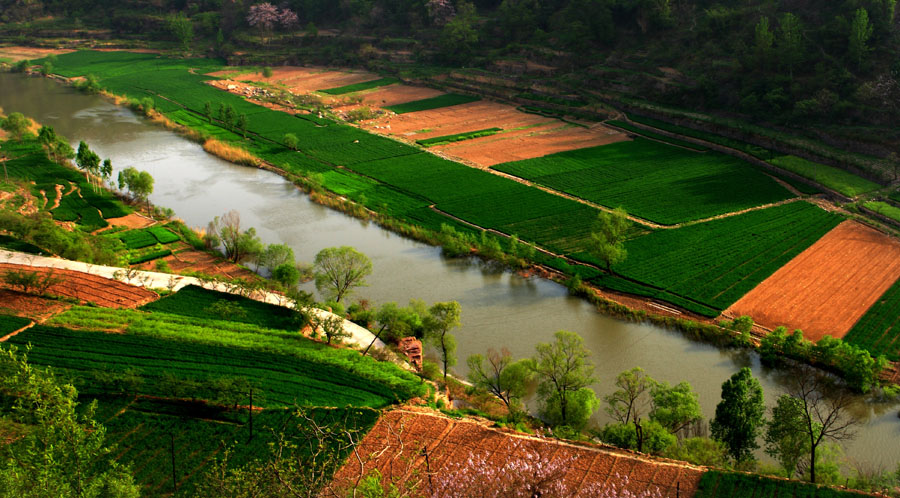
628,402
823,417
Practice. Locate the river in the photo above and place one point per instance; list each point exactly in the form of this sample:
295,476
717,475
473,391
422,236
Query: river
500,308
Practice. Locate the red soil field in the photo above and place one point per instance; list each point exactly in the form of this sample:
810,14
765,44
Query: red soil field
34,307
192,260
306,79
829,286
90,288
397,94
398,443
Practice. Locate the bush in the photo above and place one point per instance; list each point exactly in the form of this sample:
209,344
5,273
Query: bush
656,437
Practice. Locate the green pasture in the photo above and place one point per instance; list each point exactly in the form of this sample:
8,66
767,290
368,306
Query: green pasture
831,177
878,331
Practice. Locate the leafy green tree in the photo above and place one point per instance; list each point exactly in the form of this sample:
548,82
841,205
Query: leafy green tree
442,318
652,438
275,255
763,41
182,29
16,124
502,376
241,125
459,36
790,44
64,452
286,274
608,241
207,111
785,436
739,416
56,146
563,369
627,402
238,244
339,270
87,160
138,183
674,407
860,33
267,72
291,141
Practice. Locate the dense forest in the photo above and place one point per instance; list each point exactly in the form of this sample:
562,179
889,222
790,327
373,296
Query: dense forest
793,63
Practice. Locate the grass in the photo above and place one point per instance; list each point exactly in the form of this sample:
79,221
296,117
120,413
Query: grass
458,137
753,150
14,244
884,209
878,331
446,100
197,302
654,181
10,323
358,87
311,375
149,256
723,484
716,263
836,179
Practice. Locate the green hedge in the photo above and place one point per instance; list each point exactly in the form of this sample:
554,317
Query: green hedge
150,256
446,139
836,179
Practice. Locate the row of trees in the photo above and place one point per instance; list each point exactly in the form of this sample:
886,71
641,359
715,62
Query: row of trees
812,412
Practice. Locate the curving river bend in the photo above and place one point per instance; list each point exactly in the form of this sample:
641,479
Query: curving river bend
500,309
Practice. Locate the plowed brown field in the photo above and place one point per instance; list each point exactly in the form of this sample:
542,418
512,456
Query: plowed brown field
307,79
829,286
202,262
90,288
398,444
34,307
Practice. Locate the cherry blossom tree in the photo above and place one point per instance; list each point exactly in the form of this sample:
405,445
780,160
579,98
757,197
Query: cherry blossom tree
266,17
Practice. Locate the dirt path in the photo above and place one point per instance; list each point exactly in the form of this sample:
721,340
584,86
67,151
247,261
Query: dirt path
17,332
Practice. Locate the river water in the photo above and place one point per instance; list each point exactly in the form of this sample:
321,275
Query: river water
500,308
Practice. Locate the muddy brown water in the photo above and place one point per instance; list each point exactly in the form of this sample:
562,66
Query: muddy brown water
500,309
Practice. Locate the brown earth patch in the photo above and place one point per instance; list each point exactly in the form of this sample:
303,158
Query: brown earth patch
398,94
199,261
23,53
829,286
90,288
35,307
398,444
131,221
306,79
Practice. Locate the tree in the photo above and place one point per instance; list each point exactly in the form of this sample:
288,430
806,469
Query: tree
441,319
242,125
563,369
791,42
238,244
64,452
291,141
626,403
106,169
459,37
763,40
821,417
860,32
785,438
57,148
502,376
266,16
16,124
181,27
138,183
331,326
647,436
207,111
87,160
674,407
739,416
274,256
267,72
608,241
286,274
339,269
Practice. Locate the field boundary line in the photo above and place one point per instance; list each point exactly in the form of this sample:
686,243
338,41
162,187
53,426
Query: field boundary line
17,332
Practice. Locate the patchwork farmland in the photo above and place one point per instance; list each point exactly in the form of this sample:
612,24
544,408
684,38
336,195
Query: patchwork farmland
828,287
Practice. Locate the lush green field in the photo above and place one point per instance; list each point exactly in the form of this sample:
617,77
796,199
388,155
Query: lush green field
656,136
310,375
358,87
144,256
895,196
879,329
11,323
833,178
884,209
654,181
716,263
446,100
137,239
448,139
86,207
194,301
717,484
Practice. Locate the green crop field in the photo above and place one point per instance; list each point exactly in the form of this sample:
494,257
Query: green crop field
878,330
11,323
143,257
716,263
137,239
831,177
656,136
654,181
85,206
315,376
358,87
718,484
446,100
753,150
884,209
458,137
194,301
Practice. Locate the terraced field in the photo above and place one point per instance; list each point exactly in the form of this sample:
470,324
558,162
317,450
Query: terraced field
654,181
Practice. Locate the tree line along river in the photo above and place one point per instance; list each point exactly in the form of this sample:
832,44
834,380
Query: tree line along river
500,309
